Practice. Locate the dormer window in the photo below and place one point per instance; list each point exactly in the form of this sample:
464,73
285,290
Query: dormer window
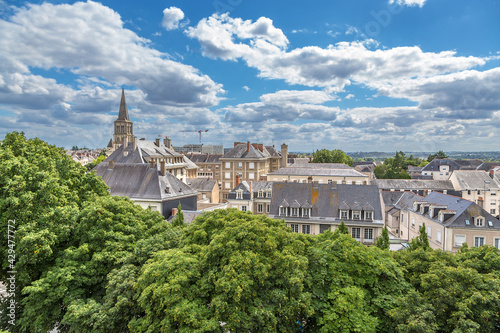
283,211
295,211
261,194
369,215
306,212
479,221
356,215
269,193
344,214
239,194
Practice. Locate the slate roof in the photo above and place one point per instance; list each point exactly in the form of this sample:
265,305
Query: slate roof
325,199
321,166
257,185
435,163
413,184
487,166
465,210
310,170
204,158
202,184
391,197
475,180
240,151
123,113
143,152
139,181
273,152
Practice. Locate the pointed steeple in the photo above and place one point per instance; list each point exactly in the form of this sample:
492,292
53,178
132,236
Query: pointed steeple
123,113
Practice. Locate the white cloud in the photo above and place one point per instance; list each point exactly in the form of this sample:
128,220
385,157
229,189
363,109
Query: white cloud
419,3
246,88
89,39
171,18
332,67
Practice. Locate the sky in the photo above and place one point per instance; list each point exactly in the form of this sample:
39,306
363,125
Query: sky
358,75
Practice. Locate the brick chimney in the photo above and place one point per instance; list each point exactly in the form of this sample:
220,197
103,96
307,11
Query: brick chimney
248,146
238,180
167,142
162,166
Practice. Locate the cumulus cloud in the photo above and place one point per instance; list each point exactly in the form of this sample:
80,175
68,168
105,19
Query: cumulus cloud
410,3
333,67
89,39
171,18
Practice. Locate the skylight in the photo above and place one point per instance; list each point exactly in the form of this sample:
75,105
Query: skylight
490,223
467,222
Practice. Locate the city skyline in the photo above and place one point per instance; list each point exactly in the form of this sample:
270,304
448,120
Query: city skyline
411,75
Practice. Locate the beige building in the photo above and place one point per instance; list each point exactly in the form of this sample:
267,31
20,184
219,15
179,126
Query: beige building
209,165
323,173
449,221
208,189
253,196
479,187
249,162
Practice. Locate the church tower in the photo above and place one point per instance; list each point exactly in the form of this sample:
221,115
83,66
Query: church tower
123,126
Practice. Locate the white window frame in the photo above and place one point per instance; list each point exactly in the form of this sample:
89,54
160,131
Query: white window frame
227,175
306,229
356,231
283,211
479,221
260,208
239,194
368,215
438,236
228,165
295,227
344,214
268,209
429,231
306,212
251,175
368,234
476,238
496,242
227,185
294,211
251,165
244,208
356,213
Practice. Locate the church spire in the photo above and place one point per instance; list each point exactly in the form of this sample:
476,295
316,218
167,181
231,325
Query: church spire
123,113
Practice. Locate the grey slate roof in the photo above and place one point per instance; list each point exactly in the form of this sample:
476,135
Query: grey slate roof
143,152
240,151
391,197
435,163
326,199
321,166
139,181
465,210
413,184
313,171
202,184
487,166
204,158
475,180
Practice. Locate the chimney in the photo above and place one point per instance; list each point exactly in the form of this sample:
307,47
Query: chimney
251,191
142,139
125,142
284,155
174,211
236,143
162,166
248,146
237,180
157,142
261,147
167,142
310,179
111,164
135,143
151,163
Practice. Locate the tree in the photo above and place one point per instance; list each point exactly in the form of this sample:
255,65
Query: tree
93,164
422,240
242,270
331,156
342,229
383,240
178,221
439,154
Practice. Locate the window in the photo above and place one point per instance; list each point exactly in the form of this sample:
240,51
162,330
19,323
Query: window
282,211
295,227
251,175
260,208
467,222
239,194
429,232
227,175
306,212
479,221
244,208
216,167
368,215
344,214
330,181
413,223
468,192
497,243
356,214
228,165
268,208
478,241
356,233
269,193
493,202
368,234
306,229
227,185
493,193
459,240
260,194
493,211
251,165
240,165
438,236
295,211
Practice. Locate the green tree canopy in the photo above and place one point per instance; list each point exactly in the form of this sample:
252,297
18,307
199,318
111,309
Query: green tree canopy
439,154
383,240
331,156
235,269
178,220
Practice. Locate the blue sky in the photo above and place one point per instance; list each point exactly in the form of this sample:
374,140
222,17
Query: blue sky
385,75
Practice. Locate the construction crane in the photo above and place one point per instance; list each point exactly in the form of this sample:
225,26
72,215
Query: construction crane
199,131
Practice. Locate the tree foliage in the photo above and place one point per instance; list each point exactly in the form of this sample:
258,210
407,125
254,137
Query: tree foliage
331,156
439,154
422,240
383,240
178,220
343,229
396,167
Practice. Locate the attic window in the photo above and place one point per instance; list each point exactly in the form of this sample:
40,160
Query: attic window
490,223
239,194
467,222
479,221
